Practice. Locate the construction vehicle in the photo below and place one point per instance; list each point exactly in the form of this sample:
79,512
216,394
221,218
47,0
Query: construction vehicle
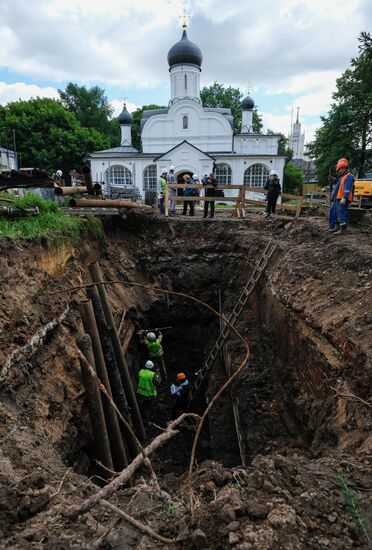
363,191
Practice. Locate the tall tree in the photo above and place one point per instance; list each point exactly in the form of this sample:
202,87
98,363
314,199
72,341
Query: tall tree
136,130
218,95
48,136
90,105
347,129
293,179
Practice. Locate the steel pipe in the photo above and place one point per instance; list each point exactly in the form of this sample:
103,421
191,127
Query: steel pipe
94,403
87,175
96,275
116,442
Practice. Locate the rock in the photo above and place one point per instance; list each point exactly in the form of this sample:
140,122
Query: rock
183,531
233,538
282,516
227,514
257,511
233,526
209,487
199,539
332,517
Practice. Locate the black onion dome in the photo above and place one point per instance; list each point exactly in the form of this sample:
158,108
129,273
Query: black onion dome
125,117
247,104
185,51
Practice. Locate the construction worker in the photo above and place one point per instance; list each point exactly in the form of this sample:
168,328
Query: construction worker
161,189
146,390
156,353
180,391
171,178
341,197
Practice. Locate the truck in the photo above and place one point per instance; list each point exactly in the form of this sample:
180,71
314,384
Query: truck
363,191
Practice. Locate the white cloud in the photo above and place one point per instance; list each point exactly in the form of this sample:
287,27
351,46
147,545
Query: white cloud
282,123
20,90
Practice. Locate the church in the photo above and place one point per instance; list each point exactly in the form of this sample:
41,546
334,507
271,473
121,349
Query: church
192,138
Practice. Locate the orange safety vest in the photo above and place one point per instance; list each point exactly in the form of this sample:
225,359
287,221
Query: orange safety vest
341,189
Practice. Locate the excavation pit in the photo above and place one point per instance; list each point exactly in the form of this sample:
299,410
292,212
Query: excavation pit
304,393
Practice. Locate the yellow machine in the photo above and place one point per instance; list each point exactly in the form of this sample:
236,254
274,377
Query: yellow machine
363,188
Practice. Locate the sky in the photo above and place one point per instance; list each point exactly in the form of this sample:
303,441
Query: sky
286,53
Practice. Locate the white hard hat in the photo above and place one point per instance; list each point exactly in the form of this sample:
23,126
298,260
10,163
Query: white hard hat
171,168
163,170
274,173
149,364
195,177
151,336
59,173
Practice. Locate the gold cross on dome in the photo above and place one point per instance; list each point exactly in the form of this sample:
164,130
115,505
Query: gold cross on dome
184,18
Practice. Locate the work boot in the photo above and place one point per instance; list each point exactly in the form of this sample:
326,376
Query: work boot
333,229
341,230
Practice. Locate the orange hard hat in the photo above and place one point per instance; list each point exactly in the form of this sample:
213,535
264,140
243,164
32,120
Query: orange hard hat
341,163
181,376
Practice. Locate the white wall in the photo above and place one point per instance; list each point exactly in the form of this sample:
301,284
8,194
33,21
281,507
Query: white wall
181,87
206,130
256,144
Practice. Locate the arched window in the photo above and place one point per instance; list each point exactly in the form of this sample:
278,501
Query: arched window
119,175
185,122
223,173
150,177
185,81
256,175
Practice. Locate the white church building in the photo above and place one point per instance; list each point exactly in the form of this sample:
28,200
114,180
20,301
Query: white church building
193,138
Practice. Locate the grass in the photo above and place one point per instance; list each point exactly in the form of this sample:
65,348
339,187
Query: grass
353,505
52,226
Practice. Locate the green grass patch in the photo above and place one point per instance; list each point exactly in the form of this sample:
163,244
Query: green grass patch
353,505
52,226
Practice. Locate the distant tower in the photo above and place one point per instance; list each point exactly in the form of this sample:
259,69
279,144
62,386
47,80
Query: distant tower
297,140
185,59
247,115
125,121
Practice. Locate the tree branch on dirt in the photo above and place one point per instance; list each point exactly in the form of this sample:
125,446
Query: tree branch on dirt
351,397
136,523
125,475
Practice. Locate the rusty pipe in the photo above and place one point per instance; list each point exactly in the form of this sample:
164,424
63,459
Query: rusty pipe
103,203
64,191
87,175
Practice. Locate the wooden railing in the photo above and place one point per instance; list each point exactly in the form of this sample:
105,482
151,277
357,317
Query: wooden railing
239,199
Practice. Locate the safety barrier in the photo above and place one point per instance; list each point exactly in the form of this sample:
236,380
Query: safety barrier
239,199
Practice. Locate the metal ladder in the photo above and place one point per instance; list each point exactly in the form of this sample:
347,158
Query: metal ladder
235,314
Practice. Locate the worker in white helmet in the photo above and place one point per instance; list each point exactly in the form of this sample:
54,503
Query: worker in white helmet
155,350
171,178
146,390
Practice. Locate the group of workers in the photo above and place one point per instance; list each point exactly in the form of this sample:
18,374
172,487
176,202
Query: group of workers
154,373
169,178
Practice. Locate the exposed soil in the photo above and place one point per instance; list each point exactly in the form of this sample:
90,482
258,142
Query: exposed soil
305,397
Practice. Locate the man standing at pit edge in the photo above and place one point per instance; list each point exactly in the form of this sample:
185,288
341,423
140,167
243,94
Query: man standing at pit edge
341,198
161,189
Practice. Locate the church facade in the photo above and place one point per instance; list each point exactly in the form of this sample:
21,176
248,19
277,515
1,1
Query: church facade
192,138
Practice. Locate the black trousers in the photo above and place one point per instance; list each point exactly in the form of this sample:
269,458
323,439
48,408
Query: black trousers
191,206
271,202
206,205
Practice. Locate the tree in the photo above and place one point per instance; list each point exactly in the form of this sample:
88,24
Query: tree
90,105
136,130
217,95
48,136
347,129
293,179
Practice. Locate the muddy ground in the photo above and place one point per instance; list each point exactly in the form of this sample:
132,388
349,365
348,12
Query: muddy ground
304,398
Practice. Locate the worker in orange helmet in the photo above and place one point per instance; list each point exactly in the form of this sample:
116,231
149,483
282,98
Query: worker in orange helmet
180,392
342,196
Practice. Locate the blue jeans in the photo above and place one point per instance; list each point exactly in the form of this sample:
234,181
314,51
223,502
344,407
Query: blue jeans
161,205
342,214
332,220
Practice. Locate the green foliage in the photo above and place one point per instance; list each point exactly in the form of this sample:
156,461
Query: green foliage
48,136
353,505
51,225
218,95
137,115
293,179
347,129
90,106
